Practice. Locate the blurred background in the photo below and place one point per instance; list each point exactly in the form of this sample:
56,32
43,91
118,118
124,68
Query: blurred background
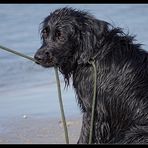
30,90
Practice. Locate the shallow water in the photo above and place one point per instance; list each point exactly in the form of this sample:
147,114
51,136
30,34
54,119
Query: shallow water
28,89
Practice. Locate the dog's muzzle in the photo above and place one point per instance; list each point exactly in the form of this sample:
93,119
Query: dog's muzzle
38,58
46,60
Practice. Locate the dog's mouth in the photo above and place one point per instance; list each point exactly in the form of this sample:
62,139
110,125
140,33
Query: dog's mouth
47,64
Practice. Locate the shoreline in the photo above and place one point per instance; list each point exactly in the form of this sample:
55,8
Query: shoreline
32,115
38,130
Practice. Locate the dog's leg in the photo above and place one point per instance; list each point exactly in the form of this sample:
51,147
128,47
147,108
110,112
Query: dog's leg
84,135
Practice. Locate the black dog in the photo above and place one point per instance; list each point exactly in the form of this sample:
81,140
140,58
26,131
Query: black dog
71,38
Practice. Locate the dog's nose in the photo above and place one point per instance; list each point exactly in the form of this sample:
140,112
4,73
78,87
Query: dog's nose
38,58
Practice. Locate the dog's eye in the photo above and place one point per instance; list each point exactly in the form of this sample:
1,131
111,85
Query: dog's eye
45,34
57,33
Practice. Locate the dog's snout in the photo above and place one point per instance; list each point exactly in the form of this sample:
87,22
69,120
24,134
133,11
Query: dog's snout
38,58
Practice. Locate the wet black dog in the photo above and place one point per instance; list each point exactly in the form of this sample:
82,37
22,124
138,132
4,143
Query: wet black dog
70,39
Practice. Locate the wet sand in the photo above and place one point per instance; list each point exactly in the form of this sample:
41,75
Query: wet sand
38,130
32,115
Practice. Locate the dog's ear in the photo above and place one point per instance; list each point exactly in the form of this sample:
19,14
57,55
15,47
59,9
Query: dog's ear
87,43
91,37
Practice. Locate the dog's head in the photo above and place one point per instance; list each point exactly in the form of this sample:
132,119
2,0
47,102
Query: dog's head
69,37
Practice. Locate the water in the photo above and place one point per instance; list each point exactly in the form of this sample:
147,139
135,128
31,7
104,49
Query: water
28,89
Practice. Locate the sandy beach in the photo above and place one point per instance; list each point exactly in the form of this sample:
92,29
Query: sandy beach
38,130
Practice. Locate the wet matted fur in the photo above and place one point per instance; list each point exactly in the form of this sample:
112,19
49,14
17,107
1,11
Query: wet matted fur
70,39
